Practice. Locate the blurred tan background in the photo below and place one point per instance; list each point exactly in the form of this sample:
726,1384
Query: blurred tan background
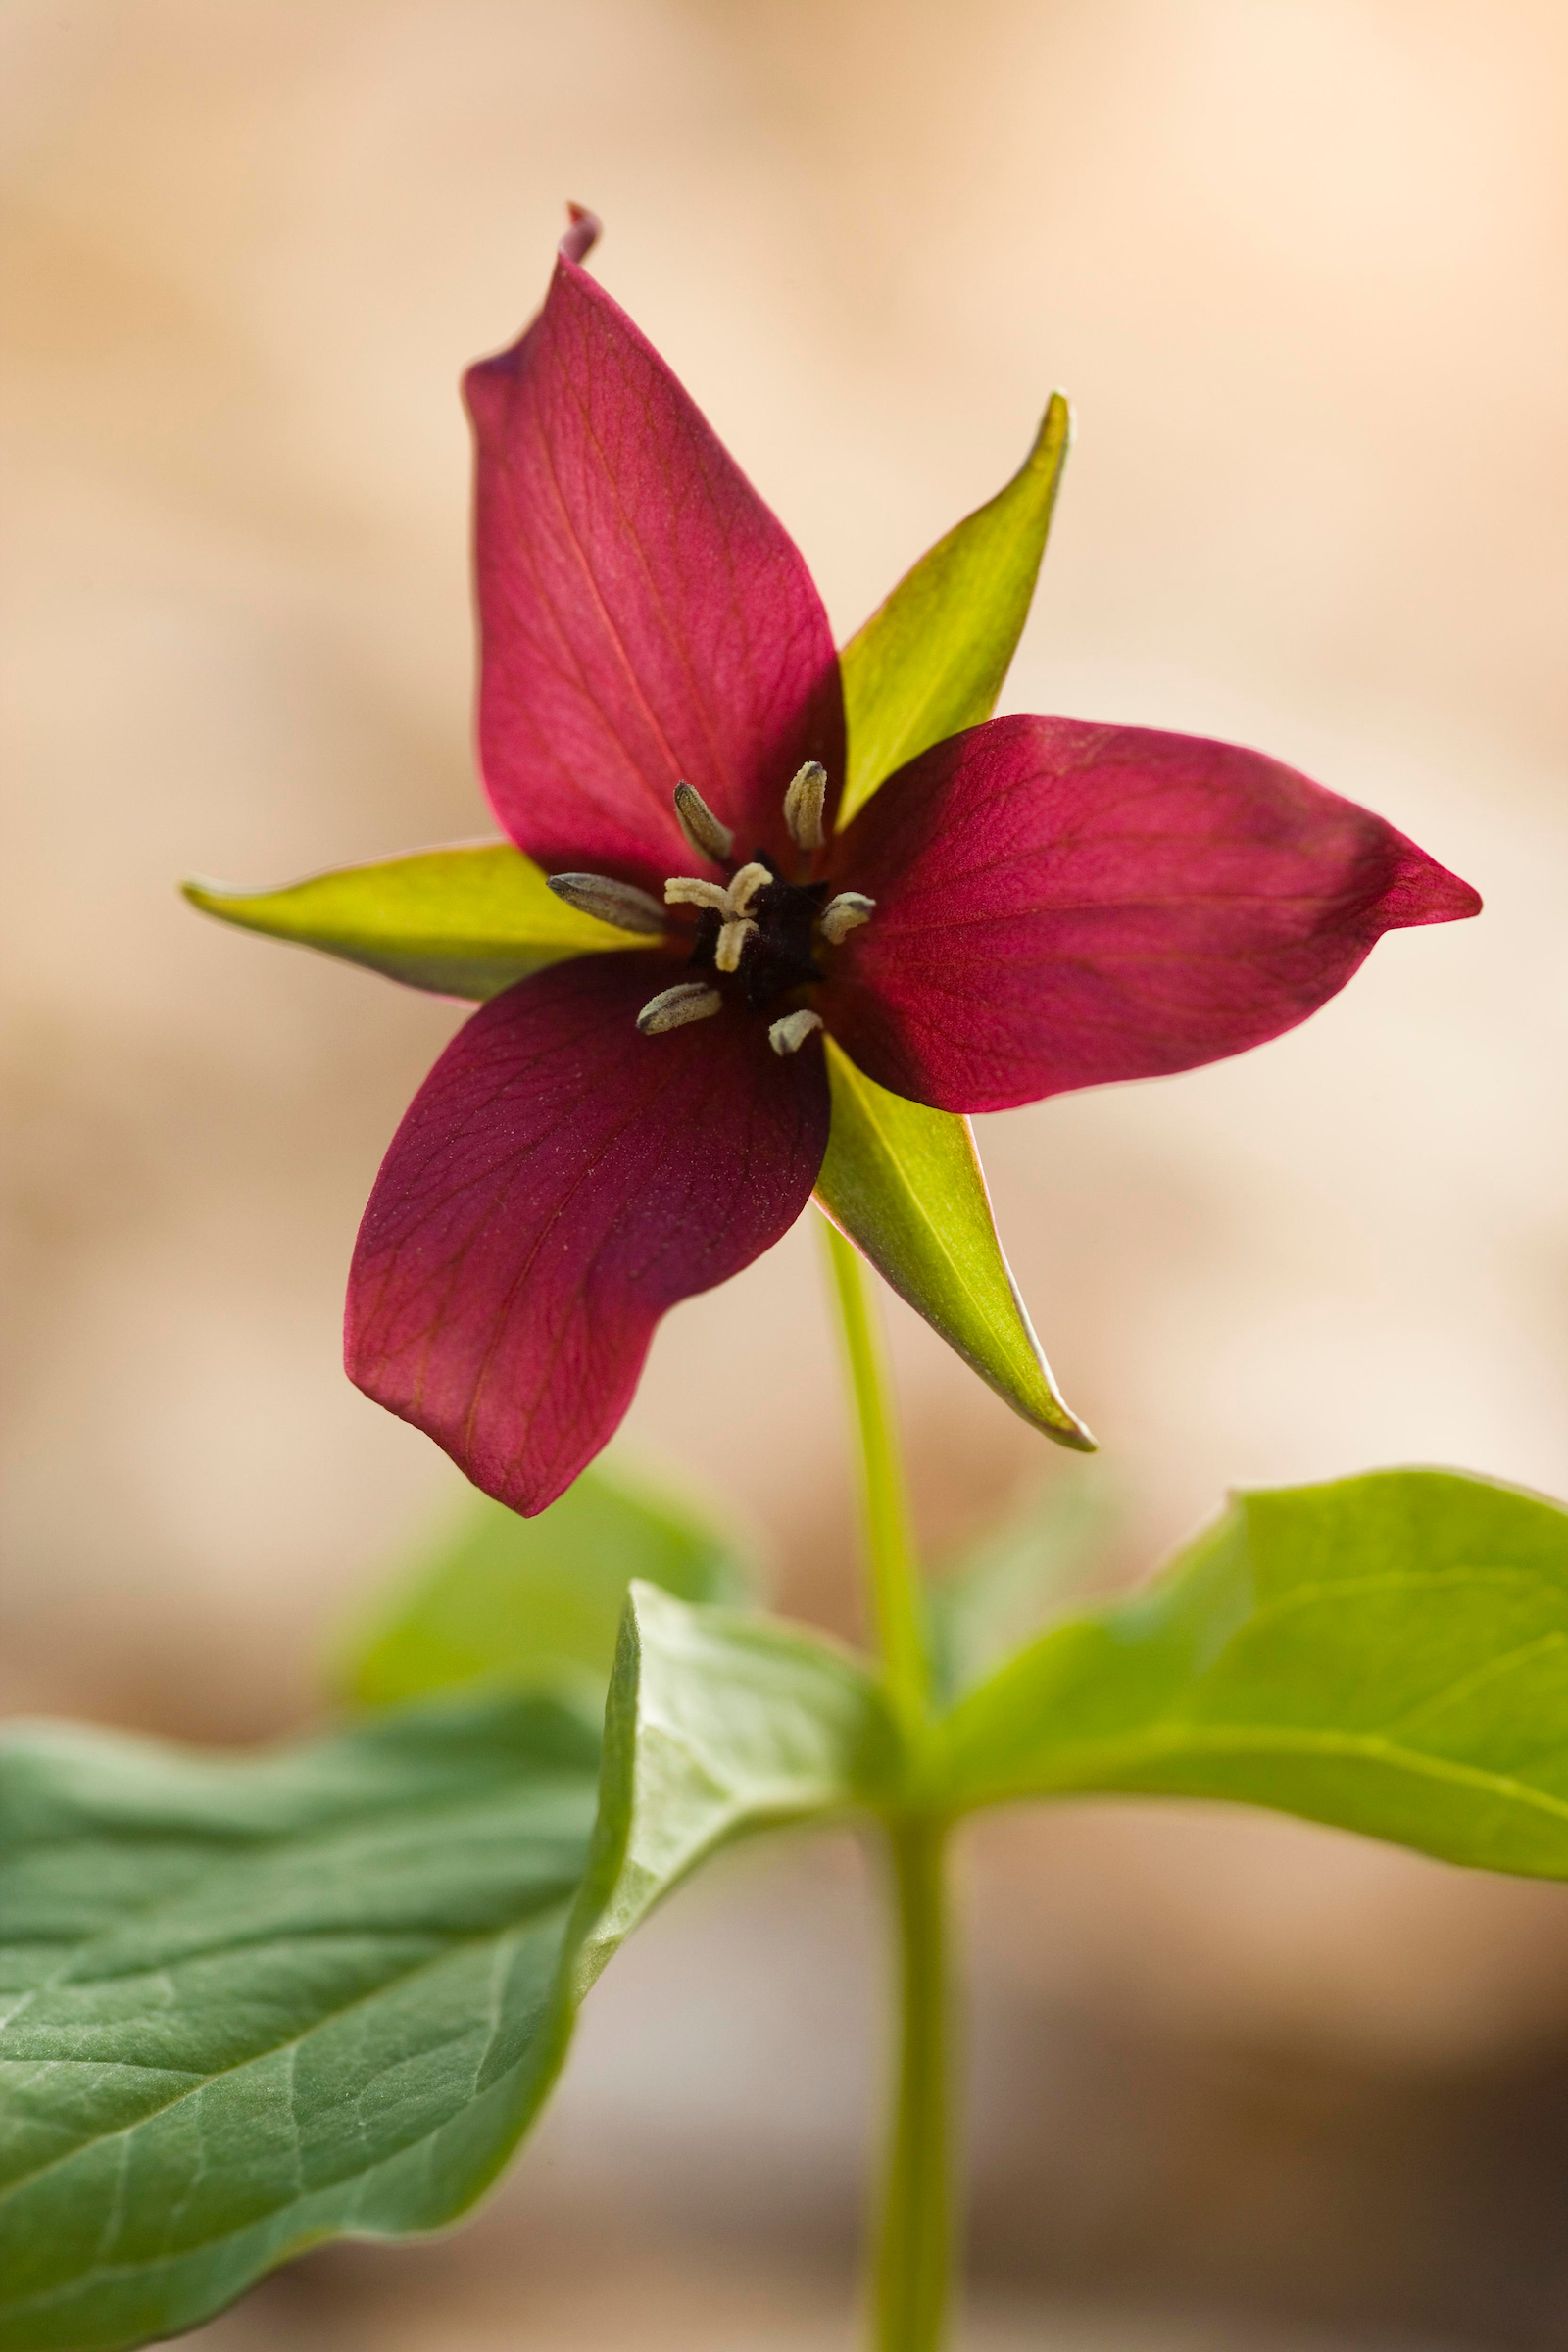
1302,265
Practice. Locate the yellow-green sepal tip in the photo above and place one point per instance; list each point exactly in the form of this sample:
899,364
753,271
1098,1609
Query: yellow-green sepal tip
466,920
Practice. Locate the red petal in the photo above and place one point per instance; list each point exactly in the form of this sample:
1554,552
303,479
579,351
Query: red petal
643,616
1060,904
558,1183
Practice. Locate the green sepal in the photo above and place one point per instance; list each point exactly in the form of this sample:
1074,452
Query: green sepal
931,659
510,1599
904,1183
462,921
253,2004
1387,1653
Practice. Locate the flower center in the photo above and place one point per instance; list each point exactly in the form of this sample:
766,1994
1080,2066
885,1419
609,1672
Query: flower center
756,929
757,926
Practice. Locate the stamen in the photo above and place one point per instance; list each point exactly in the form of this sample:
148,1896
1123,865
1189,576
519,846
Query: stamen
619,903
702,828
803,804
846,914
686,891
745,886
728,946
674,1007
731,903
790,1034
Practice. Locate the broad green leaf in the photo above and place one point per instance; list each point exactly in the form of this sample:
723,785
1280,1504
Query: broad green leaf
719,1725
1006,1587
247,2005
251,2004
931,659
904,1183
464,921
513,1600
1387,1653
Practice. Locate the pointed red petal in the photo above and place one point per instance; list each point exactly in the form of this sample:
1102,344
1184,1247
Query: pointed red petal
643,616
559,1181
1060,904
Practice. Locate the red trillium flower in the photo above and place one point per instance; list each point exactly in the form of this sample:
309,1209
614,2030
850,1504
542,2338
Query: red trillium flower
1028,906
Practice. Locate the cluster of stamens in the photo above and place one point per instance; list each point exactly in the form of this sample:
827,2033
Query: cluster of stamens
758,928
731,902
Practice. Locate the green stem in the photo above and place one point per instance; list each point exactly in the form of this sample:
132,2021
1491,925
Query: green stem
914,2254
895,1580
914,2249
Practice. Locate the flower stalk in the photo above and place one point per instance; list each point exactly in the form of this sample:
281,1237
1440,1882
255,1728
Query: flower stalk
889,1544
913,2260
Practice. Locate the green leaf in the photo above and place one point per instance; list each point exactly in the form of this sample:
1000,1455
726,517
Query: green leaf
252,2004
1387,1653
904,1183
514,1600
1008,1584
721,1725
464,921
931,659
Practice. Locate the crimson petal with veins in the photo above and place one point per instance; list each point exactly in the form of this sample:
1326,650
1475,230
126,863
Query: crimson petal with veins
643,616
558,1184
1060,904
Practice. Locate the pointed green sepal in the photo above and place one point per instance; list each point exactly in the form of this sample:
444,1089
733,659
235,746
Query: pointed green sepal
464,921
930,662
904,1183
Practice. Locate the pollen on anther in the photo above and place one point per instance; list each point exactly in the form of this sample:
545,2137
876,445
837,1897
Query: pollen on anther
618,902
687,890
790,1034
803,804
674,1007
846,914
708,835
745,886
730,946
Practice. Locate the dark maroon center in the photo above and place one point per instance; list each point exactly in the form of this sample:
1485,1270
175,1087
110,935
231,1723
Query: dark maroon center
778,954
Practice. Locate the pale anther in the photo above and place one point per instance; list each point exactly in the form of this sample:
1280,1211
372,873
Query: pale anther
618,902
790,1034
745,886
845,913
733,902
702,828
674,1007
685,890
728,945
803,804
